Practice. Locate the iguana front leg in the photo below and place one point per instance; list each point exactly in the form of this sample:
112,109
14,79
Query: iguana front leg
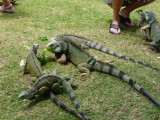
84,68
62,59
25,69
70,80
57,88
145,27
146,32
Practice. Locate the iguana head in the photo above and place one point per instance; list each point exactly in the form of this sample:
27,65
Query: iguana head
56,46
35,48
141,18
27,94
150,16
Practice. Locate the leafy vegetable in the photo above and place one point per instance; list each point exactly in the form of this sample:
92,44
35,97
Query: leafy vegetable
43,38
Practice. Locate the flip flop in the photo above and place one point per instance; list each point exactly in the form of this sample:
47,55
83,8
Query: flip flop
126,21
8,9
115,27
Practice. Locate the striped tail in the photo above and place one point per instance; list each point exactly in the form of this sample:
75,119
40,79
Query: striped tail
101,67
108,51
70,91
55,99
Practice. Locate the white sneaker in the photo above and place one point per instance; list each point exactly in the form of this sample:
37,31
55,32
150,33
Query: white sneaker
8,9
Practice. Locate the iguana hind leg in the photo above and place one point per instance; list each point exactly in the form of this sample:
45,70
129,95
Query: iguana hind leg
84,68
70,80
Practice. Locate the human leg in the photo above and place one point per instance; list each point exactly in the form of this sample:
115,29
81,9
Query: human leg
6,3
7,6
116,5
125,12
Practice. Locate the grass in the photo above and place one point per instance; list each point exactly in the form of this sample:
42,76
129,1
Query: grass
101,96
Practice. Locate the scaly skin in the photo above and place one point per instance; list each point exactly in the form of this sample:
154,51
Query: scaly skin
154,27
141,23
32,63
35,70
54,98
85,43
86,63
49,80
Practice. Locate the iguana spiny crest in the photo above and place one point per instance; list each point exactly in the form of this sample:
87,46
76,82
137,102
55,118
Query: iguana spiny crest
56,46
150,16
141,19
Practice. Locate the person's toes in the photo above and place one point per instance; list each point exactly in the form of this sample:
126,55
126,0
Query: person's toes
114,29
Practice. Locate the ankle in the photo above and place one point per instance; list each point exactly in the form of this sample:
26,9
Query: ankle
5,4
115,22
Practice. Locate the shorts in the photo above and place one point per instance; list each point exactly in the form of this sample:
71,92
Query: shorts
125,2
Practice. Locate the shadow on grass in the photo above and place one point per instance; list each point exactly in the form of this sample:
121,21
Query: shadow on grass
125,28
36,101
42,97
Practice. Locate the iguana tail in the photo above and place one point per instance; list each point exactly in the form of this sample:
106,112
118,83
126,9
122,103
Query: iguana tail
109,69
108,51
55,99
70,91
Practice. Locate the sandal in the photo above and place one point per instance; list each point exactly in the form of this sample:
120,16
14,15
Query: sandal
126,21
8,9
115,27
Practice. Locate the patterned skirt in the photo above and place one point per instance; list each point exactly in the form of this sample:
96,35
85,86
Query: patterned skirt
125,2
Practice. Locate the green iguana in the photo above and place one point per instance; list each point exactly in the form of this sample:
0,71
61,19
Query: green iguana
141,23
85,43
49,80
35,70
86,63
154,27
32,64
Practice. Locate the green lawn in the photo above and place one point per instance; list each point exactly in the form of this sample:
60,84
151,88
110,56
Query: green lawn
101,96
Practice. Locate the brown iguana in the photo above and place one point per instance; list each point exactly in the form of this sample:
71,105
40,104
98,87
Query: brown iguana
86,63
154,27
36,71
85,43
141,23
